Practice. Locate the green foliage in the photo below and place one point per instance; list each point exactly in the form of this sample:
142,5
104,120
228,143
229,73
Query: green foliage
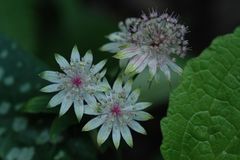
17,67
37,105
155,91
204,111
18,72
17,21
60,124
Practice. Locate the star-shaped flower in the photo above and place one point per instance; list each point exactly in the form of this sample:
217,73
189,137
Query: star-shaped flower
154,40
78,84
117,110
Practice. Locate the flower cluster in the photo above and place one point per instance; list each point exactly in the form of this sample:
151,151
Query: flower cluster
153,40
84,86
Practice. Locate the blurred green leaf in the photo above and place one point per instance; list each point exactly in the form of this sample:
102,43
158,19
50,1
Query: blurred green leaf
82,147
37,105
18,82
17,21
18,72
82,24
78,25
60,124
203,115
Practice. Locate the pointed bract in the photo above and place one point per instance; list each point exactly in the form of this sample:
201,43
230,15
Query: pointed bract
127,53
88,58
133,97
142,105
57,99
66,104
94,123
128,86
52,76
112,47
166,71
104,133
126,134
116,135
142,116
75,56
99,66
51,88
63,63
137,127
117,86
78,109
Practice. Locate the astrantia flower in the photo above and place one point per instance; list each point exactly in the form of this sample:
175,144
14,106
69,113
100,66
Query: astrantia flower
152,40
116,111
80,82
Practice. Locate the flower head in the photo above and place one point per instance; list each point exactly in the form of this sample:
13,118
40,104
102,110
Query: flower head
80,82
117,110
152,40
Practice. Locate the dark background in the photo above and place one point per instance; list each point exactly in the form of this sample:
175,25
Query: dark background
43,27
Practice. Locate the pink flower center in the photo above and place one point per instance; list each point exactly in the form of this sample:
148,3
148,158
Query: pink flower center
77,81
116,110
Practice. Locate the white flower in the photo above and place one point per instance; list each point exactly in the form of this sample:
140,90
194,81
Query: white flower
117,110
152,40
80,82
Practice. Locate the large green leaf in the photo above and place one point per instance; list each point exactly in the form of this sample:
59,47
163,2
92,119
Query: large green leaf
37,105
204,112
18,72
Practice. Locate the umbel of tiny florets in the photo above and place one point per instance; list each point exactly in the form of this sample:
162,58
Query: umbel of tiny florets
117,110
153,40
78,84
